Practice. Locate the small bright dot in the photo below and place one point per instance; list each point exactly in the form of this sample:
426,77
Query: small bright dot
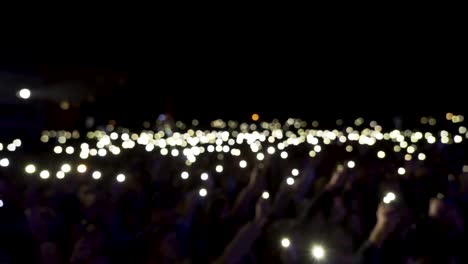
219,168
295,172
317,148
17,142
351,164
149,147
4,162
265,195
271,150
44,174
66,168
391,196
204,176
290,181
97,175
410,149
184,175
120,177
401,171
175,152
312,154
24,93
11,147
81,168
260,156
457,139
202,192
285,242
60,175
164,151
381,154
284,155
58,149
242,163
387,200
211,148
30,169
318,252
421,156
255,117
69,150
102,152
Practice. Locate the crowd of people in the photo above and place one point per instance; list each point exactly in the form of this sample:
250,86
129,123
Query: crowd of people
262,192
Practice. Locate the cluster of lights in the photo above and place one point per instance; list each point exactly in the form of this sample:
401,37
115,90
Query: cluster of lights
389,197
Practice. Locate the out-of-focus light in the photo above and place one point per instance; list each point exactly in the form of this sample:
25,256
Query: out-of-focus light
211,148
184,175
285,242
30,169
45,174
408,157
69,150
44,139
102,152
290,181
175,152
81,168
93,152
60,175
242,163
410,149
4,162
11,147
284,155
465,168
114,136
24,93
120,177
351,164
219,168
164,151
317,148
96,175
396,148
265,195
255,117
271,150
457,139
149,147
66,168
318,252
295,172
387,200
202,192
204,176
1,203
1,146
62,140
462,130
58,149
260,156
17,143
391,195
381,154
312,154
421,156
401,171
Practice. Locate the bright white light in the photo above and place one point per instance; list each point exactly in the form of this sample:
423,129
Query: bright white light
69,150
317,148
421,156
211,148
58,149
271,150
102,152
24,93
381,154
1,203
30,169
44,174
120,177
410,149
219,168
11,147
175,152
285,242
457,139
401,171
4,162
265,195
387,200
17,142
114,136
351,164
66,168
242,163
97,175
81,168
202,192
149,147
184,175
391,196
295,172
204,176
318,252
260,156
60,175
290,181
164,151
284,155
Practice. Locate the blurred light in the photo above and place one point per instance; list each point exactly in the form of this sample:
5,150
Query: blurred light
219,168
202,192
44,174
120,177
184,175
242,163
391,196
381,154
318,252
271,150
81,168
93,152
1,146
387,200
312,153
285,242
462,130
351,164
295,172
211,148
4,162
24,93
410,149
349,148
17,142
465,168
44,139
401,171
58,149
66,168
204,176
102,152
69,150
255,117
149,147
175,152
260,156
164,151
114,136
421,156
457,139
1,203
396,148
290,181
30,169
11,147
408,157
60,175
265,195
97,175
284,155
317,148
